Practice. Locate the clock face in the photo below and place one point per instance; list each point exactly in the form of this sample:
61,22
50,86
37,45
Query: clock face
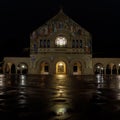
61,41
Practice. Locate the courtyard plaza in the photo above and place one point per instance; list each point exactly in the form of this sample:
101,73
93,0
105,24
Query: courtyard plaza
60,97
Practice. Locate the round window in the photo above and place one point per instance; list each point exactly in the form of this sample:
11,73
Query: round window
61,41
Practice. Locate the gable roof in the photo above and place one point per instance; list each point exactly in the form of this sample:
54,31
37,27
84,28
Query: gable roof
59,22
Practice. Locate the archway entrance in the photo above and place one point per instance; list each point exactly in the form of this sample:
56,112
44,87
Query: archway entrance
44,68
22,68
98,68
60,67
77,68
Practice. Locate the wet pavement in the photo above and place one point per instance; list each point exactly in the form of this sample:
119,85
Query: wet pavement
60,97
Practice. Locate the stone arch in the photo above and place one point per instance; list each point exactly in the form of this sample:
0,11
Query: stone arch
119,69
13,69
114,69
98,68
108,69
64,61
43,66
9,67
76,67
60,67
22,68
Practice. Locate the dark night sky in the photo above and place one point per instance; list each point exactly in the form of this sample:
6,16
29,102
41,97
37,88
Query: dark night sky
18,18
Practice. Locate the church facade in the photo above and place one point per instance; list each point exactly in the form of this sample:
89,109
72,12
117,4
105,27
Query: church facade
61,46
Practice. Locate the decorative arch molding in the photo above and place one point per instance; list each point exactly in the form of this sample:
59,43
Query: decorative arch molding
63,59
40,61
98,68
22,68
81,65
8,67
13,64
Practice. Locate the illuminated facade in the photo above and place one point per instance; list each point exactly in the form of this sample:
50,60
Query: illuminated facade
60,46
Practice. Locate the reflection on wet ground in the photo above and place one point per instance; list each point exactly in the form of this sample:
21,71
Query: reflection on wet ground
60,97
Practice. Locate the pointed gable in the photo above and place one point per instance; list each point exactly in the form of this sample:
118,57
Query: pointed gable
59,23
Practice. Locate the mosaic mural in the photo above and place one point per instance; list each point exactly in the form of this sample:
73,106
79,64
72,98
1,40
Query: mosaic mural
62,22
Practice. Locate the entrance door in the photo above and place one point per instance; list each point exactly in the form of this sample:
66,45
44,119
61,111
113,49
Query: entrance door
60,67
44,68
77,68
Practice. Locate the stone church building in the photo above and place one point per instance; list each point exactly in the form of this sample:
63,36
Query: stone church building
61,46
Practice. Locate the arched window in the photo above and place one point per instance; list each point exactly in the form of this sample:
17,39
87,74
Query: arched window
41,43
73,43
48,43
77,44
80,43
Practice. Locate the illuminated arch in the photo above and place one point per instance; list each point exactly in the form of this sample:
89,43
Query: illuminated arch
98,68
60,67
22,68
